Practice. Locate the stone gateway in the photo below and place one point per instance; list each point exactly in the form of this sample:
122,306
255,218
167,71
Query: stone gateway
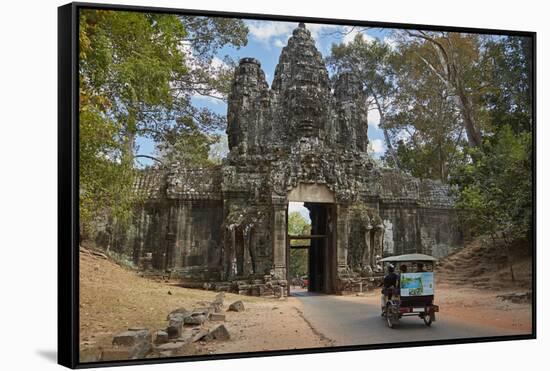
304,139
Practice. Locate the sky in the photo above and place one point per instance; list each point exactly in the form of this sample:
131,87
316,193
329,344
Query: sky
265,41
299,207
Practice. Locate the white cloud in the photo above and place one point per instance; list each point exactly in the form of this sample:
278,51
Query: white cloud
351,31
319,30
277,33
264,31
377,146
278,43
374,118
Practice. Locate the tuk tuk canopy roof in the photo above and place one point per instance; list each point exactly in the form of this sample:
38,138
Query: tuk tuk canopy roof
409,258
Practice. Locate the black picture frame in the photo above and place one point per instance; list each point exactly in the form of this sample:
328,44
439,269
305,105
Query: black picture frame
68,183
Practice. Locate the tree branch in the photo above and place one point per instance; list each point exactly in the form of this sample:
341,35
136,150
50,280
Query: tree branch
150,158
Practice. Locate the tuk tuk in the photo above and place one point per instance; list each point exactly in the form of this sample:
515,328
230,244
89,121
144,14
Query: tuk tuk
414,294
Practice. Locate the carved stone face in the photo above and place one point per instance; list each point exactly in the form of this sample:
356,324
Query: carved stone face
302,80
307,112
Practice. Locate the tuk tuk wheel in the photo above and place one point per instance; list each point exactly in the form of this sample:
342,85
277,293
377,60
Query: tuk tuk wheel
427,319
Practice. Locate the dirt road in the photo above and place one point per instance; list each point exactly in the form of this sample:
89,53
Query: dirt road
356,320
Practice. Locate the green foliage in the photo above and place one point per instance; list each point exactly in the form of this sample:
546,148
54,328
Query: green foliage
190,147
369,61
508,66
102,176
298,263
496,189
298,225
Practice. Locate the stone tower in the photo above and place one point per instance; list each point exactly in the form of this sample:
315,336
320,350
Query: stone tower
300,105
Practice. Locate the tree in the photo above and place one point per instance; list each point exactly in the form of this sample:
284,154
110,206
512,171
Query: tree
138,73
454,59
423,119
298,225
189,147
508,66
495,191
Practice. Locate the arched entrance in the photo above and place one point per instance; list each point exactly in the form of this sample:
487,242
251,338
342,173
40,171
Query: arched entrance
320,202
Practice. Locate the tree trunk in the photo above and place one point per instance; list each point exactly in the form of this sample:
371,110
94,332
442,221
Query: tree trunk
128,147
448,75
381,124
509,257
472,132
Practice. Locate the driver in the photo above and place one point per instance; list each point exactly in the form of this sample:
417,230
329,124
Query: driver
390,281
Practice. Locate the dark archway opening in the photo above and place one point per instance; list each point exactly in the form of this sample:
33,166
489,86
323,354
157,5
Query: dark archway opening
316,245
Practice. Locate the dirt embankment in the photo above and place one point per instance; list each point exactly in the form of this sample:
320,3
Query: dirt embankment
470,285
484,265
113,298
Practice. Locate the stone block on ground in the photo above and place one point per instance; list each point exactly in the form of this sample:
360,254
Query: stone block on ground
205,310
237,306
200,335
161,337
172,348
179,312
195,319
218,302
219,333
217,317
140,350
175,327
131,338
186,336
137,328
217,306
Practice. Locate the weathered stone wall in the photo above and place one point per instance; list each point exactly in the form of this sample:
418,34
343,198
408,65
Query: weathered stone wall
418,215
440,232
412,229
176,228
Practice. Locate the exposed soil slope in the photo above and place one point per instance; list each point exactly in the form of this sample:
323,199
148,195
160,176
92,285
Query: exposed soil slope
113,298
471,282
484,265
